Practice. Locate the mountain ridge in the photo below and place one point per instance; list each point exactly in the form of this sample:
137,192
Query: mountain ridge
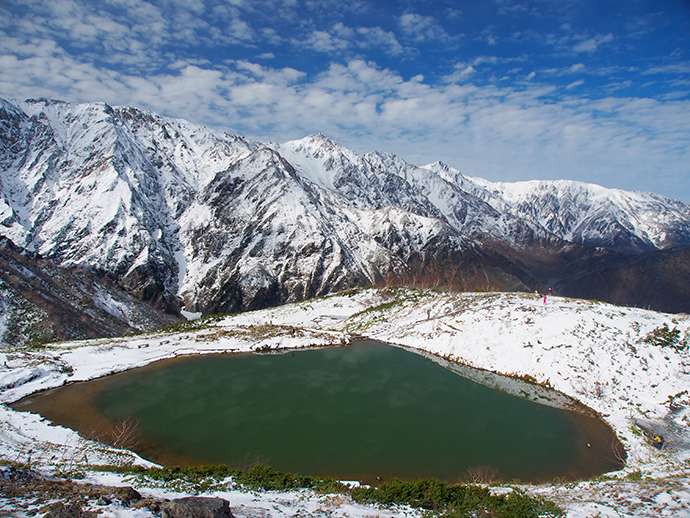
185,216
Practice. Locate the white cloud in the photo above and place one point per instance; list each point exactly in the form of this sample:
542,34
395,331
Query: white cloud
277,76
496,60
675,68
501,132
341,37
508,7
133,33
421,28
461,72
479,60
323,41
590,45
376,37
575,84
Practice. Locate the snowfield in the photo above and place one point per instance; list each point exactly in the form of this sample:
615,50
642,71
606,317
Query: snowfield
598,354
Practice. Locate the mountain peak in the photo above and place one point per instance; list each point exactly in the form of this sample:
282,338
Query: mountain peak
44,102
447,172
310,153
437,165
320,137
9,106
315,142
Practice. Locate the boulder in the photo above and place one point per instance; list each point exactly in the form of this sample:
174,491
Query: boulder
127,495
196,507
67,510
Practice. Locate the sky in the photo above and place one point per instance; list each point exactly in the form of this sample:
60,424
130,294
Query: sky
595,91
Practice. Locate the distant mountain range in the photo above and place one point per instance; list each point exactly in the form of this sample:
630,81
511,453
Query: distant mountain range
182,216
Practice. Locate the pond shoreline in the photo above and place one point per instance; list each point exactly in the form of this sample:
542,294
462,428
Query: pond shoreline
452,316
59,405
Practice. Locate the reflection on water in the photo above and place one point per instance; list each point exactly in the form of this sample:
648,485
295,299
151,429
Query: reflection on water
354,412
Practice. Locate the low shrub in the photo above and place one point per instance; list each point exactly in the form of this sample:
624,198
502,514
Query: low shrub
634,475
664,336
257,477
193,325
269,479
455,500
448,500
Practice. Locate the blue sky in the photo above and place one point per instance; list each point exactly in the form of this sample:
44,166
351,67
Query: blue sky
586,90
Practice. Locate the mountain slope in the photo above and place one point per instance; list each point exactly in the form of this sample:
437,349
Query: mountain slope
40,301
268,234
177,211
182,215
658,279
103,187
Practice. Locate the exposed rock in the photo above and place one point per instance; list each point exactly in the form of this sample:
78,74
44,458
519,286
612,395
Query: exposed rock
67,510
18,475
196,507
22,482
127,495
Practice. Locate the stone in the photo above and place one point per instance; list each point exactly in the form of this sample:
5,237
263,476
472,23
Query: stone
66,510
127,495
196,507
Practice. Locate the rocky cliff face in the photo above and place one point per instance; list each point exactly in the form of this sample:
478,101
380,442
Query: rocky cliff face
183,216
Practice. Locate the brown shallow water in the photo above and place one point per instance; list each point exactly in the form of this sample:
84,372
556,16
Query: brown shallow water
354,412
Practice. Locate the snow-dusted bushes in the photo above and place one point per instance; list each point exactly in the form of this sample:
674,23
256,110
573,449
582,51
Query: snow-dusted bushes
664,336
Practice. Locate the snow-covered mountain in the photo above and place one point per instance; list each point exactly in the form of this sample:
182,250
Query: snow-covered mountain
179,212
586,213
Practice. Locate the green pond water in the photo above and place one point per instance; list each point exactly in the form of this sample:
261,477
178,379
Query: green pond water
354,412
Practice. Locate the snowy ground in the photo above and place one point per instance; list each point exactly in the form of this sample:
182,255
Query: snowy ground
595,353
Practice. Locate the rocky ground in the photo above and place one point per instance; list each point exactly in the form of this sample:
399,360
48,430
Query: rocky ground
28,492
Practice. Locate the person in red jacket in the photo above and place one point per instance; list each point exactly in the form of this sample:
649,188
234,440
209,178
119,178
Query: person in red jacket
546,295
